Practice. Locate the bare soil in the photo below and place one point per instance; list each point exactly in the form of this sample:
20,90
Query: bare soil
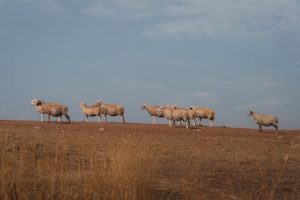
144,161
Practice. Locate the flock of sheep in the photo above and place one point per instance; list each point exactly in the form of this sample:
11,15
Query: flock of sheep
170,112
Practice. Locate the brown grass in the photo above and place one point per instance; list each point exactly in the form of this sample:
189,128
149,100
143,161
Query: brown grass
83,161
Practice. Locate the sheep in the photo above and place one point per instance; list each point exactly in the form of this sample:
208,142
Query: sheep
174,113
167,112
153,112
181,114
41,107
204,113
192,115
51,109
264,120
111,110
90,111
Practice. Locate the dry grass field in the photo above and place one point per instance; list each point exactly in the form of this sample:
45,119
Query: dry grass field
143,161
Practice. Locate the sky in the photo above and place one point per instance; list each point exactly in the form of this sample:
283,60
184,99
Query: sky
229,55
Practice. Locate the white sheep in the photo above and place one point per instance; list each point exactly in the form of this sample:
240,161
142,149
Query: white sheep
51,109
192,115
264,120
153,111
204,113
90,111
111,110
174,113
167,112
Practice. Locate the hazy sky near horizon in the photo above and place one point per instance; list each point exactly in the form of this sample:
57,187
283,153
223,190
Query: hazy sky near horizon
230,55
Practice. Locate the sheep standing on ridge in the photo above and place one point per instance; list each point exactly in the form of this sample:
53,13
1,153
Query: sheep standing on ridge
153,111
192,115
167,112
264,120
51,109
204,113
111,110
181,114
176,114
90,111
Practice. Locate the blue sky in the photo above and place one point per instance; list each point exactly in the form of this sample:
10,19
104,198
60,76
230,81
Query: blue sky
230,55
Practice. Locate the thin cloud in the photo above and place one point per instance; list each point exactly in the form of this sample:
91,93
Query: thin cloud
206,82
250,18
295,67
259,104
268,83
295,63
142,86
264,81
201,98
119,9
295,70
52,7
191,18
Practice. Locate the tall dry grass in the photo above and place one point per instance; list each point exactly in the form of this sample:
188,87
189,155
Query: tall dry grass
54,163
37,169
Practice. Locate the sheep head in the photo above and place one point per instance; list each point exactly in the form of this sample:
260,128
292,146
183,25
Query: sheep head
143,107
174,107
161,108
36,102
192,108
251,112
98,103
82,104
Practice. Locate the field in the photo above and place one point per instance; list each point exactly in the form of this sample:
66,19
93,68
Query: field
144,161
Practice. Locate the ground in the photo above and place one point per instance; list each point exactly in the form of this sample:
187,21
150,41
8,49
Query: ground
144,161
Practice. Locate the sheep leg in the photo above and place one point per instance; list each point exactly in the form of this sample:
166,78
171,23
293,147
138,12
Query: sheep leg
188,121
98,118
154,120
211,123
276,127
105,119
200,121
187,124
260,128
49,118
170,123
123,120
59,119
194,120
67,117
86,118
42,117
